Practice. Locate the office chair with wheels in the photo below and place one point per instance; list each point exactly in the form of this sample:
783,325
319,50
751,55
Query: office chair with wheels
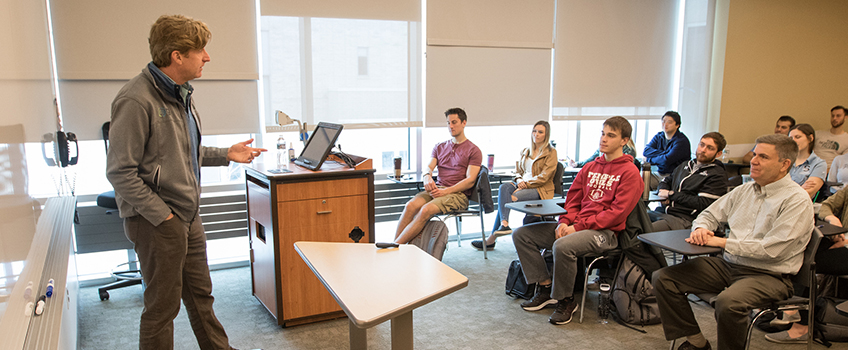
481,196
125,274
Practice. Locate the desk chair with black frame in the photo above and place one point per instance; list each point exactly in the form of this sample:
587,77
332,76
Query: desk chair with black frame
124,278
806,277
648,258
481,196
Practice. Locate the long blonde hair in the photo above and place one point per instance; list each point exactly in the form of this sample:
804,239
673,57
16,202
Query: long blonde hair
547,142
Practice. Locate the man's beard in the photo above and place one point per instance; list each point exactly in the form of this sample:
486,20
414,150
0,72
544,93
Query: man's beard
837,126
700,156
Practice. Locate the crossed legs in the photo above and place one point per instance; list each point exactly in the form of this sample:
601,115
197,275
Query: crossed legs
509,193
415,215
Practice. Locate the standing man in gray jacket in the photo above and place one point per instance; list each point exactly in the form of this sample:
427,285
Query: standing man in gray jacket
154,165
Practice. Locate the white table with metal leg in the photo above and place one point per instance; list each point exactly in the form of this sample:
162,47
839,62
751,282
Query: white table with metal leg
375,285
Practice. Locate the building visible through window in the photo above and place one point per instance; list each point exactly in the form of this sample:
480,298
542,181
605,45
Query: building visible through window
363,60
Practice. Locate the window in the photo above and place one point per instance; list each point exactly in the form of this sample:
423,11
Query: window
363,60
579,139
347,71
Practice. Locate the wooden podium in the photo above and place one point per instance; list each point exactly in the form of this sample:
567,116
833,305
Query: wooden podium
329,205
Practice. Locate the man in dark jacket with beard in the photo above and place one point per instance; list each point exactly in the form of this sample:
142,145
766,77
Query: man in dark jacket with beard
693,186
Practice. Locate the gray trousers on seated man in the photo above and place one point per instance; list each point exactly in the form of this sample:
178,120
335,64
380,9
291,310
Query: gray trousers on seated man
530,239
746,288
667,222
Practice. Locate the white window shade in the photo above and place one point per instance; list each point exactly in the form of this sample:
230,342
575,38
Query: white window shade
26,91
495,86
613,57
492,23
101,44
221,105
395,10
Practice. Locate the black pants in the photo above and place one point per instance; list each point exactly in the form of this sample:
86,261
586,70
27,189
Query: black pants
828,262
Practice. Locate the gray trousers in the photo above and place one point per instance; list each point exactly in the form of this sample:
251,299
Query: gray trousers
740,289
668,222
173,263
530,239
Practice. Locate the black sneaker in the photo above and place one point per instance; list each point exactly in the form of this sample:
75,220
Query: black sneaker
479,245
502,230
565,308
540,300
688,346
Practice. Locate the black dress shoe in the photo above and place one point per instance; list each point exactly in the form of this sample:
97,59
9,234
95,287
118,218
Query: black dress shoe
479,245
688,346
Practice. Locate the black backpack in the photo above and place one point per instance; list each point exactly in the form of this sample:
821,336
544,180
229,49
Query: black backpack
516,286
633,295
830,326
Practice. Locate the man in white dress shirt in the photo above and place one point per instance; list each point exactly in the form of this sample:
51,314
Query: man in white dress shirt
770,222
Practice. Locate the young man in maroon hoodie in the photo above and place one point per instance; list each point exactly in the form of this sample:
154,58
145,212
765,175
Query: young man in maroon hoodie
602,196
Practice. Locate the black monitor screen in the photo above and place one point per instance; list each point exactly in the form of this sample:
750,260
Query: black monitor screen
319,145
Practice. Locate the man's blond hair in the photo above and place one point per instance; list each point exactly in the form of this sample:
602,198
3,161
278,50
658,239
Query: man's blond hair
176,33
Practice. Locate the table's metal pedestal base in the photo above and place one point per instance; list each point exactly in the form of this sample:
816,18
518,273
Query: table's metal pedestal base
402,336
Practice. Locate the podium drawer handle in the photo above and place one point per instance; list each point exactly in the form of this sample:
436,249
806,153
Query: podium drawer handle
325,212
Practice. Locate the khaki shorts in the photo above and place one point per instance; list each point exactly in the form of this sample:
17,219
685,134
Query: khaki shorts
448,203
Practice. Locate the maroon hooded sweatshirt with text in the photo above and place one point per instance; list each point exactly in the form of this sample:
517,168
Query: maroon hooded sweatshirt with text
603,194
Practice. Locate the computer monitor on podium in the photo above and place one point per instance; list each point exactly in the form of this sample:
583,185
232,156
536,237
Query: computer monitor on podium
323,139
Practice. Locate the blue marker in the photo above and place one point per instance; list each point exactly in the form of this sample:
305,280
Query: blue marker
49,288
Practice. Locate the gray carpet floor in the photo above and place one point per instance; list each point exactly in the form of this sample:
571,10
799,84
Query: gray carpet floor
479,316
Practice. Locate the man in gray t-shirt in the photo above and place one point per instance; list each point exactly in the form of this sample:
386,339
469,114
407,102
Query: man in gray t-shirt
833,142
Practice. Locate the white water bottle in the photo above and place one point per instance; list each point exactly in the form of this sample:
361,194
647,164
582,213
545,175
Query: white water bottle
282,156
292,157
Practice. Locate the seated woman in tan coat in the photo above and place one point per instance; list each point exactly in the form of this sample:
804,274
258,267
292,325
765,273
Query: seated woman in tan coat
533,180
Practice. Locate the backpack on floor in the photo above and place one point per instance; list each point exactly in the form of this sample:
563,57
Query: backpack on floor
830,326
633,296
433,239
516,286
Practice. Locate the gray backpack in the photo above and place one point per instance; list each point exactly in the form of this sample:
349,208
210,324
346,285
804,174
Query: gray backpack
633,295
433,239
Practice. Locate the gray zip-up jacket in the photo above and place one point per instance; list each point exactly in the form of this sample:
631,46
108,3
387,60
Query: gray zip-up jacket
149,162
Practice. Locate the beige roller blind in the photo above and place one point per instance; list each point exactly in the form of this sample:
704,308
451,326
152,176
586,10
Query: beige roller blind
490,57
494,23
495,86
219,103
26,92
101,44
613,57
396,10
